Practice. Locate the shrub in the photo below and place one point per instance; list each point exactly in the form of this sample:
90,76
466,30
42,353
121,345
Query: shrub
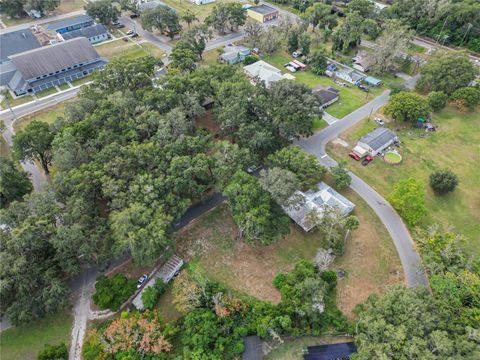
54,352
330,277
249,59
110,293
466,98
151,294
437,100
341,176
408,198
443,181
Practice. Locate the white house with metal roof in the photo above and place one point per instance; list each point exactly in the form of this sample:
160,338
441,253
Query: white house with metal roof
262,71
317,202
375,142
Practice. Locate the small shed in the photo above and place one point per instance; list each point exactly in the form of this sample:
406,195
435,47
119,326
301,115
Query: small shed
373,81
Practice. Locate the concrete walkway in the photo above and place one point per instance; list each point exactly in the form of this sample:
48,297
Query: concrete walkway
329,118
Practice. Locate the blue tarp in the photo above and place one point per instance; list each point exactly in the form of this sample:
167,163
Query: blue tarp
372,81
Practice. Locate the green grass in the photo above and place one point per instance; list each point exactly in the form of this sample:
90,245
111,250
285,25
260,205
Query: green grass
48,115
63,86
393,158
127,50
83,80
319,124
350,98
24,342
4,148
8,101
201,11
454,146
46,92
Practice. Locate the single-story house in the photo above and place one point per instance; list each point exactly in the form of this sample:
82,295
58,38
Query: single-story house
330,352
71,24
253,349
16,42
317,201
94,34
375,142
262,71
326,95
262,13
39,69
143,5
201,2
350,76
372,81
234,54
363,62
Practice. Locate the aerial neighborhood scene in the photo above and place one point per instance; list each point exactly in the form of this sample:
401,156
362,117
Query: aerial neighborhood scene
239,179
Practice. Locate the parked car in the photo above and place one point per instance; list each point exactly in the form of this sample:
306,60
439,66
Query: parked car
290,68
133,16
134,35
364,88
118,26
251,169
297,54
354,156
379,121
141,280
130,32
367,160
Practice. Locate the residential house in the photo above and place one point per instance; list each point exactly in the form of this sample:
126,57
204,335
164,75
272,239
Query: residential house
143,5
372,81
71,24
375,142
262,71
350,76
262,13
94,34
317,202
363,62
326,95
234,54
46,67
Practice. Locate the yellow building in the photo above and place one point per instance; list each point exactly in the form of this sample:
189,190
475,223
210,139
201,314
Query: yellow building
262,13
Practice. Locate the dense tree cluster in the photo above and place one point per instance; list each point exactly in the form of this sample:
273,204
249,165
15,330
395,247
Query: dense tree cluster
14,182
16,8
111,292
104,11
161,18
129,161
407,106
226,17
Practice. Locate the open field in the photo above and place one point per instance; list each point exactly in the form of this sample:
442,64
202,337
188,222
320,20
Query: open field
66,6
200,11
211,243
291,349
350,98
454,146
127,50
24,342
48,115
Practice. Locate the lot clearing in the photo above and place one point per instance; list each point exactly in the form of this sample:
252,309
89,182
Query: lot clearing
370,260
455,146
127,50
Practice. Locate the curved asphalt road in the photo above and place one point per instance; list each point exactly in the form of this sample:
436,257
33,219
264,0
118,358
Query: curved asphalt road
316,144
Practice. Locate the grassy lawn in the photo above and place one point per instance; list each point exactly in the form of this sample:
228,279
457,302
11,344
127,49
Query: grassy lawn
24,342
46,92
319,124
201,11
127,50
4,148
9,101
293,349
83,80
350,98
210,57
211,243
64,86
48,115
454,146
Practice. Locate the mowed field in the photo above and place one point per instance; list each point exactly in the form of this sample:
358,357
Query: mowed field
456,145
200,11
370,261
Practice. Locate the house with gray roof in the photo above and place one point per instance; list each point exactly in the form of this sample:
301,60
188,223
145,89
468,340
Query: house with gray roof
262,71
375,142
233,54
326,95
94,34
70,24
46,67
17,42
317,202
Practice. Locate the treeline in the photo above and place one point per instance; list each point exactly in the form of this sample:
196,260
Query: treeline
127,160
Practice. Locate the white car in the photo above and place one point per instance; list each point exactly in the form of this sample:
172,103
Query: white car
130,32
379,121
290,68
296,54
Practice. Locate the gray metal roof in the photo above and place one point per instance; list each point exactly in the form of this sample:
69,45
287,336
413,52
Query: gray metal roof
56,57
68,22
263,9
17,42
88,32
378,138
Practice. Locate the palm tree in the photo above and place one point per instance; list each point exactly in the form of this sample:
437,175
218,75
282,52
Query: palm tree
189,17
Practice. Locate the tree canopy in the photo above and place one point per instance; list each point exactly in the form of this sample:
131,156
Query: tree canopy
103,11
408,198
407,106
14,183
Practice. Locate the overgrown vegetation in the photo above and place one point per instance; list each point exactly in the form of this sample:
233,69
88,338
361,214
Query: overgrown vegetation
111,292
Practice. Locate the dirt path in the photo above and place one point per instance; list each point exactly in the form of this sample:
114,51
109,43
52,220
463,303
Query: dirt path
81,314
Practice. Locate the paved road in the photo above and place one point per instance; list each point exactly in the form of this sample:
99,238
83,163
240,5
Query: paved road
41,21
316,144
155,40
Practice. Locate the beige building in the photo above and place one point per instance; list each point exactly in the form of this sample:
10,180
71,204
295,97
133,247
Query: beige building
262,13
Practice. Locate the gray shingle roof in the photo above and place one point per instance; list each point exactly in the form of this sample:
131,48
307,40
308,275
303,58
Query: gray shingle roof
326,95
49,59
68,22
16,42
87,32
377,138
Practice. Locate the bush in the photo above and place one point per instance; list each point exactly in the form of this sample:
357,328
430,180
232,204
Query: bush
151,294
249,59
318,63
466,98
437,100
443,181
408,198
341,176
110,293
330,277
54,352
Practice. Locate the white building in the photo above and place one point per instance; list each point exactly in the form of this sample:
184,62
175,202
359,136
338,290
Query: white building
262,71
201,2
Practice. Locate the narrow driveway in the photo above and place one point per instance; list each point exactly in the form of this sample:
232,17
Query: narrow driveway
411,261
